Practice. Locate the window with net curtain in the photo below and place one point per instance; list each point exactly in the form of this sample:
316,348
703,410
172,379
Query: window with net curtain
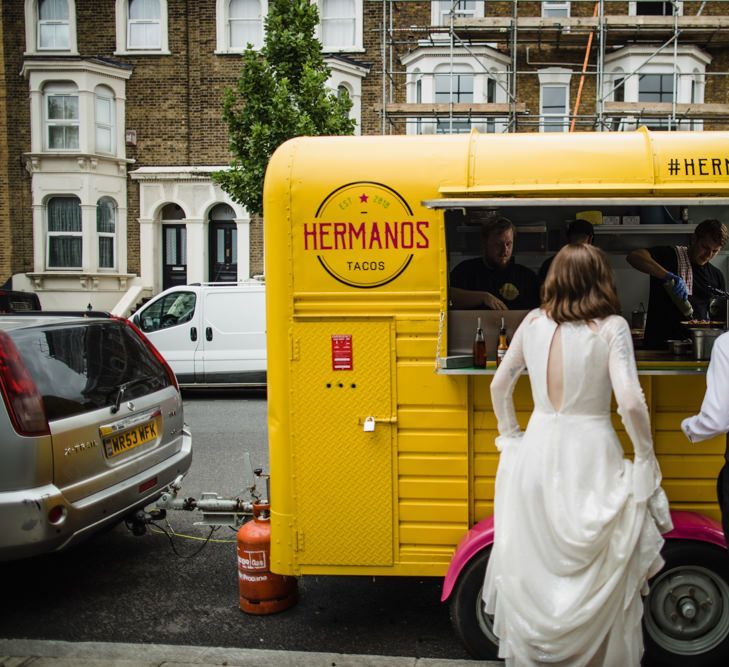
64,233
53,25
245,24
338,24
61,116
106,232
144,25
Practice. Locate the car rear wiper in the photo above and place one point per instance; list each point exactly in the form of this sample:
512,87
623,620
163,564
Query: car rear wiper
123,389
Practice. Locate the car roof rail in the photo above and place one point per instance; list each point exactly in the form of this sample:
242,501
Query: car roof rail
61,313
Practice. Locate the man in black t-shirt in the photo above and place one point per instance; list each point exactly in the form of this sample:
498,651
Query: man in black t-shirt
578,231
494,281
662,264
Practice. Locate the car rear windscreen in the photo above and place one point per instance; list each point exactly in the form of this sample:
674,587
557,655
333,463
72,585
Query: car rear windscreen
81,367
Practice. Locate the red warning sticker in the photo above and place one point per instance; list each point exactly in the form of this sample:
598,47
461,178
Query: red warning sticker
342,352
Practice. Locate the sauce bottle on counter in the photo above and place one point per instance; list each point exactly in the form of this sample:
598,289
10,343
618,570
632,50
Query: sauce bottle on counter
479,347
503,344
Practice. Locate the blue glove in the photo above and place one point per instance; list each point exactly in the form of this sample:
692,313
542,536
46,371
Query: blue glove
679,286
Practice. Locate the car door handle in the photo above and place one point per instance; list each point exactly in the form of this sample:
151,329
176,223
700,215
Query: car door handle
208,333
193,333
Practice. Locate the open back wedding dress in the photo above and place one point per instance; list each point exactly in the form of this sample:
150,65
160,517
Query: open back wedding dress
575,541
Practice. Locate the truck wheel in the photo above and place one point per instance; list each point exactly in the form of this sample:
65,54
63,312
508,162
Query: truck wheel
686,613
472,624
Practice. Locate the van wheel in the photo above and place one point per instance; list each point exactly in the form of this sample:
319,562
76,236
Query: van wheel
686,613
472,624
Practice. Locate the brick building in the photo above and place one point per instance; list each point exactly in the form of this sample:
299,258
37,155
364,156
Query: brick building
110,112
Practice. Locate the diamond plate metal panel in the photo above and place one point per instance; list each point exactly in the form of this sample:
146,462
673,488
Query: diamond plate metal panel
343,474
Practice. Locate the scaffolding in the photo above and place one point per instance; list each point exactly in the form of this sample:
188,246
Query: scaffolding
598,29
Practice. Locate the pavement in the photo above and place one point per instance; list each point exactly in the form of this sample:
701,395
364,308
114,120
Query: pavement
46,653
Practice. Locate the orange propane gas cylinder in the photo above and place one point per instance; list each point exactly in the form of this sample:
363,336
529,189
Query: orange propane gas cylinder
261,591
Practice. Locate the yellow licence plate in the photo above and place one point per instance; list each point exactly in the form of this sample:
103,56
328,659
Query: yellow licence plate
134,437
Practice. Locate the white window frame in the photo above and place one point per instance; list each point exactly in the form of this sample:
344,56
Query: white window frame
72,234
549,6
222,27
64,89
107,94
691,63
32,34
55,23
554,77
122,31
440,11
112,235
444,72
358,46
423,63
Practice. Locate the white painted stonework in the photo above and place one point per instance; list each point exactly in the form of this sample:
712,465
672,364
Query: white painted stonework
193,190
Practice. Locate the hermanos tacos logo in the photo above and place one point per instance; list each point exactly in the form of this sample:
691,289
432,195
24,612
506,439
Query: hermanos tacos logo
365,235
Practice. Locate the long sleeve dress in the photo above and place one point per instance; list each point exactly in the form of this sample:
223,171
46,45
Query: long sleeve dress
575,538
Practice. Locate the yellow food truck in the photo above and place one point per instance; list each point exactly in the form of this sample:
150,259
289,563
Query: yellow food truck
381,430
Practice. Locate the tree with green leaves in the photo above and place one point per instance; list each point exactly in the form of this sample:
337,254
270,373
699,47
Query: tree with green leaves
281,93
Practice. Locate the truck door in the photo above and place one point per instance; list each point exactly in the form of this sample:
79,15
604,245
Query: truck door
343,374
172,323
234,336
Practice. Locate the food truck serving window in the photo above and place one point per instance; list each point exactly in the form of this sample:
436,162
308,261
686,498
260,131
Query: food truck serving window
620,225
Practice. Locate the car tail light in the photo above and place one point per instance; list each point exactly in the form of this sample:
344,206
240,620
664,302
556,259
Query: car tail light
21,396
154,351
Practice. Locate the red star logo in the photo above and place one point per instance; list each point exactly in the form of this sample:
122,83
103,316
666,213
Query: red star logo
363,198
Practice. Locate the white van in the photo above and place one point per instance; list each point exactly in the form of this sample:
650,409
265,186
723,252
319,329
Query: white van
212,334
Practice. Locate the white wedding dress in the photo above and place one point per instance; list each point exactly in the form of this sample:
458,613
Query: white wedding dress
577,526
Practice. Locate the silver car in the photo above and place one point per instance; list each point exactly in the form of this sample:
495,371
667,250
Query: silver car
91,428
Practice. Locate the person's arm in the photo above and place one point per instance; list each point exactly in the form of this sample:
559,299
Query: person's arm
713,419
466,298
643,261
502,387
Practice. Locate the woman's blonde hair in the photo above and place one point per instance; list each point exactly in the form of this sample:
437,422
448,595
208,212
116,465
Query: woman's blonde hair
580,285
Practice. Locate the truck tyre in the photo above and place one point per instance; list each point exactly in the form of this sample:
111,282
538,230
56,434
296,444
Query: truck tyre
472,624
686,613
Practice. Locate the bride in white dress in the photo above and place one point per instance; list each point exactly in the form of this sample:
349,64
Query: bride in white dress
577,526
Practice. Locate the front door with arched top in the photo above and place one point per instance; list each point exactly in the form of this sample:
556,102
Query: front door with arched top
174,247
223,244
